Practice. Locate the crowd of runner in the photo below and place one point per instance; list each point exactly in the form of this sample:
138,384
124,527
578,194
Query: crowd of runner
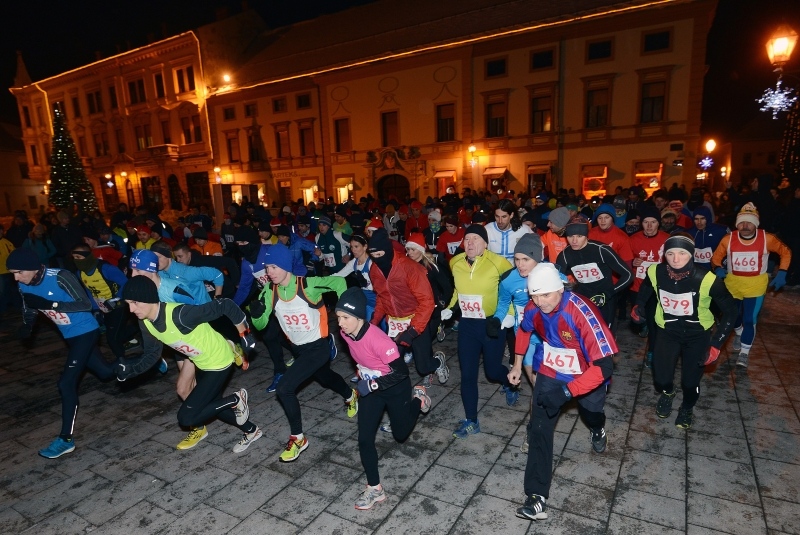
538,284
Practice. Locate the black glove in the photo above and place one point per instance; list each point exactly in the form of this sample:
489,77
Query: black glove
599,300
553,399
37,301
248,341
635,316
405,337
360,279
132,367
257,308
24,332
365,386
493,327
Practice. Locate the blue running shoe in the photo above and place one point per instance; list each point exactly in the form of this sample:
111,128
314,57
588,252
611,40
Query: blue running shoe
274,386
512,395
455,326
57,448
334,349
162,367
648,360
466,428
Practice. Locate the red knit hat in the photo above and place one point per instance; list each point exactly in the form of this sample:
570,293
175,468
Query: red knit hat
403,209
416,241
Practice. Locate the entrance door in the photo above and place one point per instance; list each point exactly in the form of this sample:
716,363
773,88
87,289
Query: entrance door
393,186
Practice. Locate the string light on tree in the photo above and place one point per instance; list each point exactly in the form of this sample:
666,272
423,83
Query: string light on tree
777,100
68,183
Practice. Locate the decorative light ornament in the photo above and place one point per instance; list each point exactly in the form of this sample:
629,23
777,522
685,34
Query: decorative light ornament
777,100
706,163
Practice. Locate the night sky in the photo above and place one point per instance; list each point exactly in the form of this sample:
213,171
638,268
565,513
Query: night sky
55,39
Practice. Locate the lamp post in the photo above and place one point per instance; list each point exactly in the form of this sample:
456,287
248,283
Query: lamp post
779,50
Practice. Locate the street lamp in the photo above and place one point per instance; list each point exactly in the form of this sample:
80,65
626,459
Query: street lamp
218,177
473,161
779,49
109,182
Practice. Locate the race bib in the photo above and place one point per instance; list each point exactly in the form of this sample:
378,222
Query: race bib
676,304
641,271
296,319
329,259
398,325
562,360
101,304
703,255
452,246
59,318
261,277
185,348
367,373
745,262
471,306
586,273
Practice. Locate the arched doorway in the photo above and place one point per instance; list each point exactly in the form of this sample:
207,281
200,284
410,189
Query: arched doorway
393,186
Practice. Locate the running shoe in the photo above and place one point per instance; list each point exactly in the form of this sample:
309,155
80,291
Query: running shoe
599,440
664,405
162,367
386,427
742,360
737,342
440,333
421,393
525,445
246,440
57,448
512,395
193,438
684,418
455,326
293,449
352,405
334,350
466,428
534,508
427,381
648,360
274,384
442,372
290,362
370,497
241,410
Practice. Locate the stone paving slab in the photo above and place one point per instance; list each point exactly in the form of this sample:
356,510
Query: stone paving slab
736,471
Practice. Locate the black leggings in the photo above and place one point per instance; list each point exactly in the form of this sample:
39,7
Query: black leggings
691,346
83,353
206,401
119,330
403,410
314,361
422,347
274,339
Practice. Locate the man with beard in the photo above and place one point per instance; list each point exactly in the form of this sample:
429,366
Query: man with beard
747,252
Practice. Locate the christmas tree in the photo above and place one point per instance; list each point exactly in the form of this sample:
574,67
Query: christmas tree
68,183
790,152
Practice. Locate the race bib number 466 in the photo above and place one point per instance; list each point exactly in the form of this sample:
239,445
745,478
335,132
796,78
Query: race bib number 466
746,262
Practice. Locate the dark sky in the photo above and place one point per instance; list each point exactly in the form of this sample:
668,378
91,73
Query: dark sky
58,36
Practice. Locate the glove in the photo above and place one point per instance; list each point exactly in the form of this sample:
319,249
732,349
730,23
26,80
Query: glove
37,301
779,281
599,300
635,315
508,322
713,353
365,386
248,341
553,399
493,327
447,313
721,272
257,308
405,337
137,366
360,279
24,332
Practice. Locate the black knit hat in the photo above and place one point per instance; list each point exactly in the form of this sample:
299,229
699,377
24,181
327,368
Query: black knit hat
140,289
480,230
353,302
283,230
577,226
23,259
246,233
161,248
680,240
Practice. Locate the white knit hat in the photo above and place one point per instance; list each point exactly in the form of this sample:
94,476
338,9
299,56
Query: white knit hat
544,278
748,213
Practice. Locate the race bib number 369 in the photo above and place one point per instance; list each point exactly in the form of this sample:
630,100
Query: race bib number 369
471,306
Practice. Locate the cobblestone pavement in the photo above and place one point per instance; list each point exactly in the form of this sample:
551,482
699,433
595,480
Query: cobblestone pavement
736,471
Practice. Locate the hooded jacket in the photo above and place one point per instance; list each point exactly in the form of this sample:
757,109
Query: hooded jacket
706,240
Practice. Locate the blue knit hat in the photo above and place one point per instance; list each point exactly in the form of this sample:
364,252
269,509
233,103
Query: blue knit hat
144,260
279,255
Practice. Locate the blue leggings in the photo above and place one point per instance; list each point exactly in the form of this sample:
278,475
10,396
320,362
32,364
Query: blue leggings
472,341
746,322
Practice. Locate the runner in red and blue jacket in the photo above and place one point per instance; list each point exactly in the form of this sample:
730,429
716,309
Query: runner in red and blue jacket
574,360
